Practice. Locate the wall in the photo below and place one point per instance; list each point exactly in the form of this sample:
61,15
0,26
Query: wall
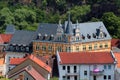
73,46
88,68
11,55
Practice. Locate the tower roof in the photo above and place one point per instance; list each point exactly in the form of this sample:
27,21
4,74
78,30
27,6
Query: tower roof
69,26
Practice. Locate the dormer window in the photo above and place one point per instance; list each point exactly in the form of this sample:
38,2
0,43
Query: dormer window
27,48
94,35
105,35
88,36
17,48
22,48
83,37
45,36
51,37
39,35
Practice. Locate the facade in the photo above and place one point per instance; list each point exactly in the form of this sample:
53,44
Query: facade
32,68
69,37
86,66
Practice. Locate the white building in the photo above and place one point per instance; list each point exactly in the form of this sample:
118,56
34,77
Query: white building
10,55
86,65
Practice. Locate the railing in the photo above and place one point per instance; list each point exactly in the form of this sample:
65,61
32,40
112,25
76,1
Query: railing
72,74
97,73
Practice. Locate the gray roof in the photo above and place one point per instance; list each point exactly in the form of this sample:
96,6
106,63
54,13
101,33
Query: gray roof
22,37
46,28
10,29
88,28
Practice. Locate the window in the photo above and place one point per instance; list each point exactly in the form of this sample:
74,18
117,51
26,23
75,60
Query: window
68,69
68,77
59,38
43,47
101,46
64,78
22,48
37,47
77,38
27,79
75,69
50,48
90,47
85,73
105,77
77,48
17,48
109,76
106,45
27,48
95,46
68,49
84,47
105,67
109,66
63,67
75,77
59,48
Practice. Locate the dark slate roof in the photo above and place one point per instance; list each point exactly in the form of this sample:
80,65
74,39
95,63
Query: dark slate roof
46,28
69,26
10,29
23,37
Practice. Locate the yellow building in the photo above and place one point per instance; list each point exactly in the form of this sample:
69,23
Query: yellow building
69,37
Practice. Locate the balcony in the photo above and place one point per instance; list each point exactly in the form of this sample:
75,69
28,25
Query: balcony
97,73
72,74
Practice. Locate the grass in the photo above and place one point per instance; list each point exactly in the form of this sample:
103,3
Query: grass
54,78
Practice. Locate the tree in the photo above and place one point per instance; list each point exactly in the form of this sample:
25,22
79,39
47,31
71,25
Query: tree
112,22
6,17
24,17
79,12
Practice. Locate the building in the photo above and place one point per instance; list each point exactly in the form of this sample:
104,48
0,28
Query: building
86,65
69,37
30,69
22,41
4,41
2,63
117,71
10,55
115,45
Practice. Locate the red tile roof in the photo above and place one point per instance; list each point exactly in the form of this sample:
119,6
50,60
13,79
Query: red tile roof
86,58
16,61
117,56
5,38
31,71
40,63
115,42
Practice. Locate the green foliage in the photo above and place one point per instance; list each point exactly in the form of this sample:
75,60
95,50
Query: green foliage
79,12
28,16
112,23
54,78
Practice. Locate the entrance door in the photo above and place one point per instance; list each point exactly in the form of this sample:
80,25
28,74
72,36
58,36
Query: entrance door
94,78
